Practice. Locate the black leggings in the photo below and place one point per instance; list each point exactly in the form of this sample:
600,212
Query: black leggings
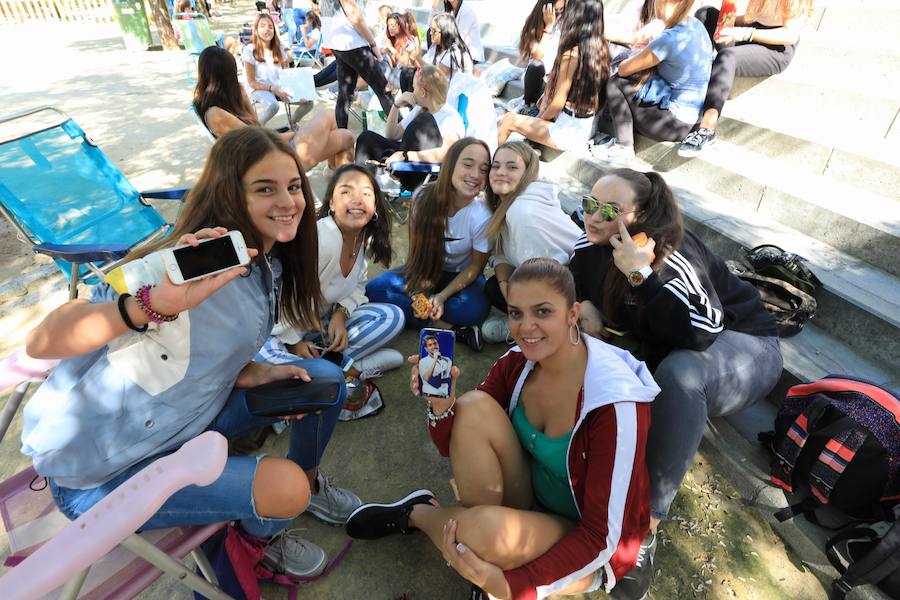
628,116
422,134
745,60
534,82
352,64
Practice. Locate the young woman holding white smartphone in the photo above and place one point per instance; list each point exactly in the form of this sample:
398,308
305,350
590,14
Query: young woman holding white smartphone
139,377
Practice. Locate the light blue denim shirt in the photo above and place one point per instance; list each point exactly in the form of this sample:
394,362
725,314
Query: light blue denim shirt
143,394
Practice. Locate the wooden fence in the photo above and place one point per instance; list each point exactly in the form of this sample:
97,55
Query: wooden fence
20,11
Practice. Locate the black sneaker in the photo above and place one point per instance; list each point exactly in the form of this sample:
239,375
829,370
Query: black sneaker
471,337
476,593
636,584
696,142
373,521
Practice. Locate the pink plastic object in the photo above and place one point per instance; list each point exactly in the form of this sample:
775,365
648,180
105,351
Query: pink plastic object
89,537
19,367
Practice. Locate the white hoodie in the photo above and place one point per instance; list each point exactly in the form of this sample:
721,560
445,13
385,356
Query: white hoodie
536,227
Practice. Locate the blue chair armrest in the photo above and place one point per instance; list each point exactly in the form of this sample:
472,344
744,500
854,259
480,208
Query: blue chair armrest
82,253
415,167
169,194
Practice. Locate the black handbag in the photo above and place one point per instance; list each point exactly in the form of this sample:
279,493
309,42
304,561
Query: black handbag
293,397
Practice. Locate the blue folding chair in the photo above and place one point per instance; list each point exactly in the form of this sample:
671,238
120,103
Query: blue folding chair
68,200
313,55
195,35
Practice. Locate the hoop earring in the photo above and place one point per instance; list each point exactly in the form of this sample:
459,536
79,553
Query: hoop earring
375,217
330,212
577,330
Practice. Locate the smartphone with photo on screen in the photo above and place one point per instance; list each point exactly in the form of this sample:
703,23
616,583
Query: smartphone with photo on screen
435,361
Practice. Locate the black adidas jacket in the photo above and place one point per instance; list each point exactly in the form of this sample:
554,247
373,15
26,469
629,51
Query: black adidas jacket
686,304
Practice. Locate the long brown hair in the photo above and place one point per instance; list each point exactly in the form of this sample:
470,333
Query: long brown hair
657,215
532,30
399,41
428,223
218,85
218,199
259,46
582,30
500,206
377,232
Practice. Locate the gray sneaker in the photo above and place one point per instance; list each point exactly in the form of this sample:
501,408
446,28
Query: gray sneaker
332,504
289,553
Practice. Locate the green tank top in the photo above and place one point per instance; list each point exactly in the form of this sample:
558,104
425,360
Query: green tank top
549,475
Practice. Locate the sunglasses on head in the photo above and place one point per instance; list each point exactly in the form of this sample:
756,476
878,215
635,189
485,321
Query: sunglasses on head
608,212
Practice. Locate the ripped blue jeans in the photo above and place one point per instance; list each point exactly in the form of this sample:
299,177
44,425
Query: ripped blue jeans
230,497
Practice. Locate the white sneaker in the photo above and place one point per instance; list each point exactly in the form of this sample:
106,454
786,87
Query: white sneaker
377,363
496,330
387,183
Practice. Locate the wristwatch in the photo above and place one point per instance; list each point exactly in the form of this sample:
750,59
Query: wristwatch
340,308
639,276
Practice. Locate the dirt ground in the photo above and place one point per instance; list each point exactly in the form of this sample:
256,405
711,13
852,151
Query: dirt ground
135,106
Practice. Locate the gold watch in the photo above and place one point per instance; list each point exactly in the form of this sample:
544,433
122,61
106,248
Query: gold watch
639,276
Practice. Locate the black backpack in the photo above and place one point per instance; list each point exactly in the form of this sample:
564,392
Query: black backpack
771,261
837,443
866,555
791,306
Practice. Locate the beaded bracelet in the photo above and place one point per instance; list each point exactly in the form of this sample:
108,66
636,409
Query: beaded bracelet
143,300
123,312
433,418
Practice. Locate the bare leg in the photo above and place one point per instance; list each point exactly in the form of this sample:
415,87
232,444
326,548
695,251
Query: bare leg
506,537
536,130
320,139
489,464
280,488
710,119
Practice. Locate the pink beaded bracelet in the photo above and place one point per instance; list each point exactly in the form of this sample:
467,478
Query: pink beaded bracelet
143,300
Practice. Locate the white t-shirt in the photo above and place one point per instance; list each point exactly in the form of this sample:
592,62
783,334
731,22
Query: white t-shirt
448,121
338,32
450,58
439,382
470,31
466,231
266,71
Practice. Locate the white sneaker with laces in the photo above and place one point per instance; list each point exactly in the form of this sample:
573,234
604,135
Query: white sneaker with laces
332,504
377,363
496,330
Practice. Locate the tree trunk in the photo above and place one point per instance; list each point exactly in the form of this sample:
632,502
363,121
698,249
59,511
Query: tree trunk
160,10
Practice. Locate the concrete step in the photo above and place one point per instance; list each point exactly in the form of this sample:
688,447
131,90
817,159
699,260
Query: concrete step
785,184
858,306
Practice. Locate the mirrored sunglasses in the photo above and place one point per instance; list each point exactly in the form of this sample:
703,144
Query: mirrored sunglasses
608,212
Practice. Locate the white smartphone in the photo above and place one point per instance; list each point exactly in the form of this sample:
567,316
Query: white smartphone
186,263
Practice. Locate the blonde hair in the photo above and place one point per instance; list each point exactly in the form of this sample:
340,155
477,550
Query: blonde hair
436,83
787,9
499,206
682,9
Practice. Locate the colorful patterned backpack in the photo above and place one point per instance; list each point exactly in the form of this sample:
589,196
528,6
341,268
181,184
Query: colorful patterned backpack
837,443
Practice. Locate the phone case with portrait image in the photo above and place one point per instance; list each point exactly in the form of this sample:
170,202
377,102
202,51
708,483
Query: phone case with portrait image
435,361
